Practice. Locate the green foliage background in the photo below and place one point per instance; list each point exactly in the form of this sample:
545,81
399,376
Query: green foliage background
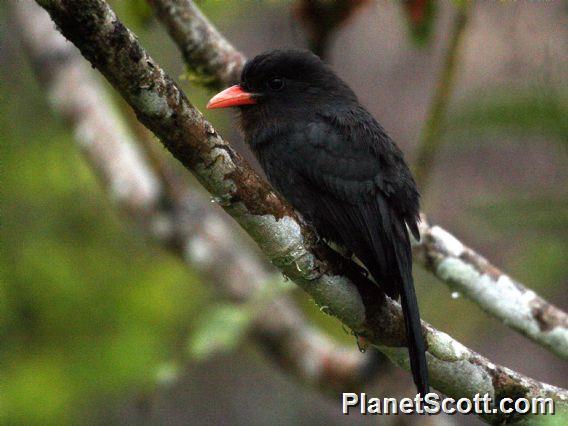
87,308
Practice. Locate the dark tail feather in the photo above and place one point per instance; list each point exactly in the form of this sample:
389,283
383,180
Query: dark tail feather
416,346
392,267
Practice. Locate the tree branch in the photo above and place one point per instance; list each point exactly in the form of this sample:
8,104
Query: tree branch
527,313
455,370
211,59
179,217
494,291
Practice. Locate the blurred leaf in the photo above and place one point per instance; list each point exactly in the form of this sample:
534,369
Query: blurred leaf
420,16
41,382
198,78
541,111
167,373
222,327
219,330
321,19
459,3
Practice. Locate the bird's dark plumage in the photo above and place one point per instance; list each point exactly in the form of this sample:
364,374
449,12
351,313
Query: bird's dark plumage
336,165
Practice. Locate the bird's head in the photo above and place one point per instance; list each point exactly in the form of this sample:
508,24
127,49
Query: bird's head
282,82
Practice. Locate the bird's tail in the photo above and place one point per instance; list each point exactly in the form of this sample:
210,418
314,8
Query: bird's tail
391,266
415,340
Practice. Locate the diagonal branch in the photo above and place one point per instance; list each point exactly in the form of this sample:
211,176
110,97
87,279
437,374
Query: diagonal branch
214,61
179,217
455,370
491,289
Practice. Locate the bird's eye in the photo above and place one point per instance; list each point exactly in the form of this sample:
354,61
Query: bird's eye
275,84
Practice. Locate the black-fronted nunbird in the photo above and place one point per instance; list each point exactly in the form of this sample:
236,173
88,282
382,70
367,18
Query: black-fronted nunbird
335,164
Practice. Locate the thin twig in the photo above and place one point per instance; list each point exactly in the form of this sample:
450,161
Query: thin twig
430,140
454,369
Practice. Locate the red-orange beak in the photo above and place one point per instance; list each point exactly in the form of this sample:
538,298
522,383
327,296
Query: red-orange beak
231,97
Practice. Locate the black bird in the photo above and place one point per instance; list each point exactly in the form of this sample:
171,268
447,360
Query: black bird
335,164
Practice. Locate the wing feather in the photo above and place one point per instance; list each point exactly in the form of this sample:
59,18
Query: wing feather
358,200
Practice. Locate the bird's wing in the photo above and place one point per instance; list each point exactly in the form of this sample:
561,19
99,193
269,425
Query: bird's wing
358,161
359,194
